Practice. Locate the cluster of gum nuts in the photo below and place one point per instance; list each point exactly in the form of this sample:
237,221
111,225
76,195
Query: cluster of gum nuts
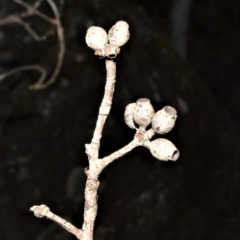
142,113
108,45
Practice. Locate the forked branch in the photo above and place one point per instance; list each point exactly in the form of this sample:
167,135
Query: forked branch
138,116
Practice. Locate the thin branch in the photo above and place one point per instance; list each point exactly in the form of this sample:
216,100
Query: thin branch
11,19
96,165
25,68
44,211
104,109
139,139
37,4
90,207
32,10
15,19
34,35
60,33
119,153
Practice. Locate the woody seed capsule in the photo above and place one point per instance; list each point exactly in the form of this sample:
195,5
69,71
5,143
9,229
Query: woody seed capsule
128,115
143,112
119,34
164,120
96,37
163,150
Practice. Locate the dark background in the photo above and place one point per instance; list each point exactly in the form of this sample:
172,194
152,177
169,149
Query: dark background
42,133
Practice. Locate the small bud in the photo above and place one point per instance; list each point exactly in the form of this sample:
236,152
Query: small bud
128,115
119,34
40,211
163,150
143,112
96,38
164,120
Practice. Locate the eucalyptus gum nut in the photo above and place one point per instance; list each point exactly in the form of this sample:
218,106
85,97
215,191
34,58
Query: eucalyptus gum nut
163,150
143,112
164,120
96,37
128,115
119,34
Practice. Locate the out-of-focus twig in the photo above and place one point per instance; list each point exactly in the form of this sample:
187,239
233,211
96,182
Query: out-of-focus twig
25,68
17,18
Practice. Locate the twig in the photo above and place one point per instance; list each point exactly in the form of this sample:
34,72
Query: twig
44,211
139,139
140,112
104,109
25,68
119,153
60,33
34,35
30,11
15,19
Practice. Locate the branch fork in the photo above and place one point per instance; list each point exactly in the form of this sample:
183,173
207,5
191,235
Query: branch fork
138,116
